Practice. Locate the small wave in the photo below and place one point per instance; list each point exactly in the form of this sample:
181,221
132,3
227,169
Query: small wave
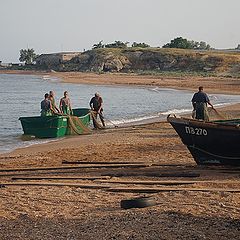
176,111
186,110
50,78
159,89
39,141
46,77
10,145
156,117
223,104
213,97
156,89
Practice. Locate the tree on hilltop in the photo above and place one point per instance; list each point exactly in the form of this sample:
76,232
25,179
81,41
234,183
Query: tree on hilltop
183,43
204,46
117,44
179,42
98,45
27,55
141,45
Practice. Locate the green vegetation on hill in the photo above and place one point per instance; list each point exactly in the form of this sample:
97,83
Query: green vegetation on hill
183,43
178,42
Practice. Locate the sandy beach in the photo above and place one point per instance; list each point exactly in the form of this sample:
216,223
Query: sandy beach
43,197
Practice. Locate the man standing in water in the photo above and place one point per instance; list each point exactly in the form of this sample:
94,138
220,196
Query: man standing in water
52,100
46,106
65,104
96,104
200,101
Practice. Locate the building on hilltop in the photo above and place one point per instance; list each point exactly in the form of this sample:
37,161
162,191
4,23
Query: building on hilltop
8,65
54,59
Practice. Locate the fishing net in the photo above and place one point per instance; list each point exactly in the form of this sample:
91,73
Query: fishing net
76,126
217,115
95,121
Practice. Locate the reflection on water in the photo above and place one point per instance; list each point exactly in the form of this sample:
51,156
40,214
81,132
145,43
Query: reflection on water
20,95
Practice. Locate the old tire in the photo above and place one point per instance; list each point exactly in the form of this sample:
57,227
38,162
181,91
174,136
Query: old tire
140,202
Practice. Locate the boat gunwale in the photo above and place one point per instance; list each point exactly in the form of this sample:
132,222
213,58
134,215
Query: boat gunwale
53,117
199,123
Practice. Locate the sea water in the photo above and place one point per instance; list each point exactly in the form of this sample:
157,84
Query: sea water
20,96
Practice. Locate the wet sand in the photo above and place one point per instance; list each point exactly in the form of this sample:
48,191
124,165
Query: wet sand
92,210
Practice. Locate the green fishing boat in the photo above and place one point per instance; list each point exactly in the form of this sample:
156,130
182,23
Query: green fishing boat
57,125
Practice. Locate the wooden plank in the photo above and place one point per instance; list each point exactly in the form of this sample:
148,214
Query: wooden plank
159,164
105,163
146,182
231,172
61,178
153,174
124,162
167,182
76,167
40,173
157,190
55,184
218,168
22,174
124,189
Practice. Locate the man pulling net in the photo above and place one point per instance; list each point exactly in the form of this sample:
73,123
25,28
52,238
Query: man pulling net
96,104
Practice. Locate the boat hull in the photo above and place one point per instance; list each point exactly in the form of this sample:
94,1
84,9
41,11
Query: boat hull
53,126
211,143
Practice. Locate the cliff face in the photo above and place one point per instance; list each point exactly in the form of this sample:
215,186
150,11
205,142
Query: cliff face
153,59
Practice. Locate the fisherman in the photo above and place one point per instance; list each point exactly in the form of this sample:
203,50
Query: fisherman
96,104
65,104
200,101
46,106
52,100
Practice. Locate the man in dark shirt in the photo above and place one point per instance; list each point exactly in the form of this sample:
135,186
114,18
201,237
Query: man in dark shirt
199,102
96,104
46,106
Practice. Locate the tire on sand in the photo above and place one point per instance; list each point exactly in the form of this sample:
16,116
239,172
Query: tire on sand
140,202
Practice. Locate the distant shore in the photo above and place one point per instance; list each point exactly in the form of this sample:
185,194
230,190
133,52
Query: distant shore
223,85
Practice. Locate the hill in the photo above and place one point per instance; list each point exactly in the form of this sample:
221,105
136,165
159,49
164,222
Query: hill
154,61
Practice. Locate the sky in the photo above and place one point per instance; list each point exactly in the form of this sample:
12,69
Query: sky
50,26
